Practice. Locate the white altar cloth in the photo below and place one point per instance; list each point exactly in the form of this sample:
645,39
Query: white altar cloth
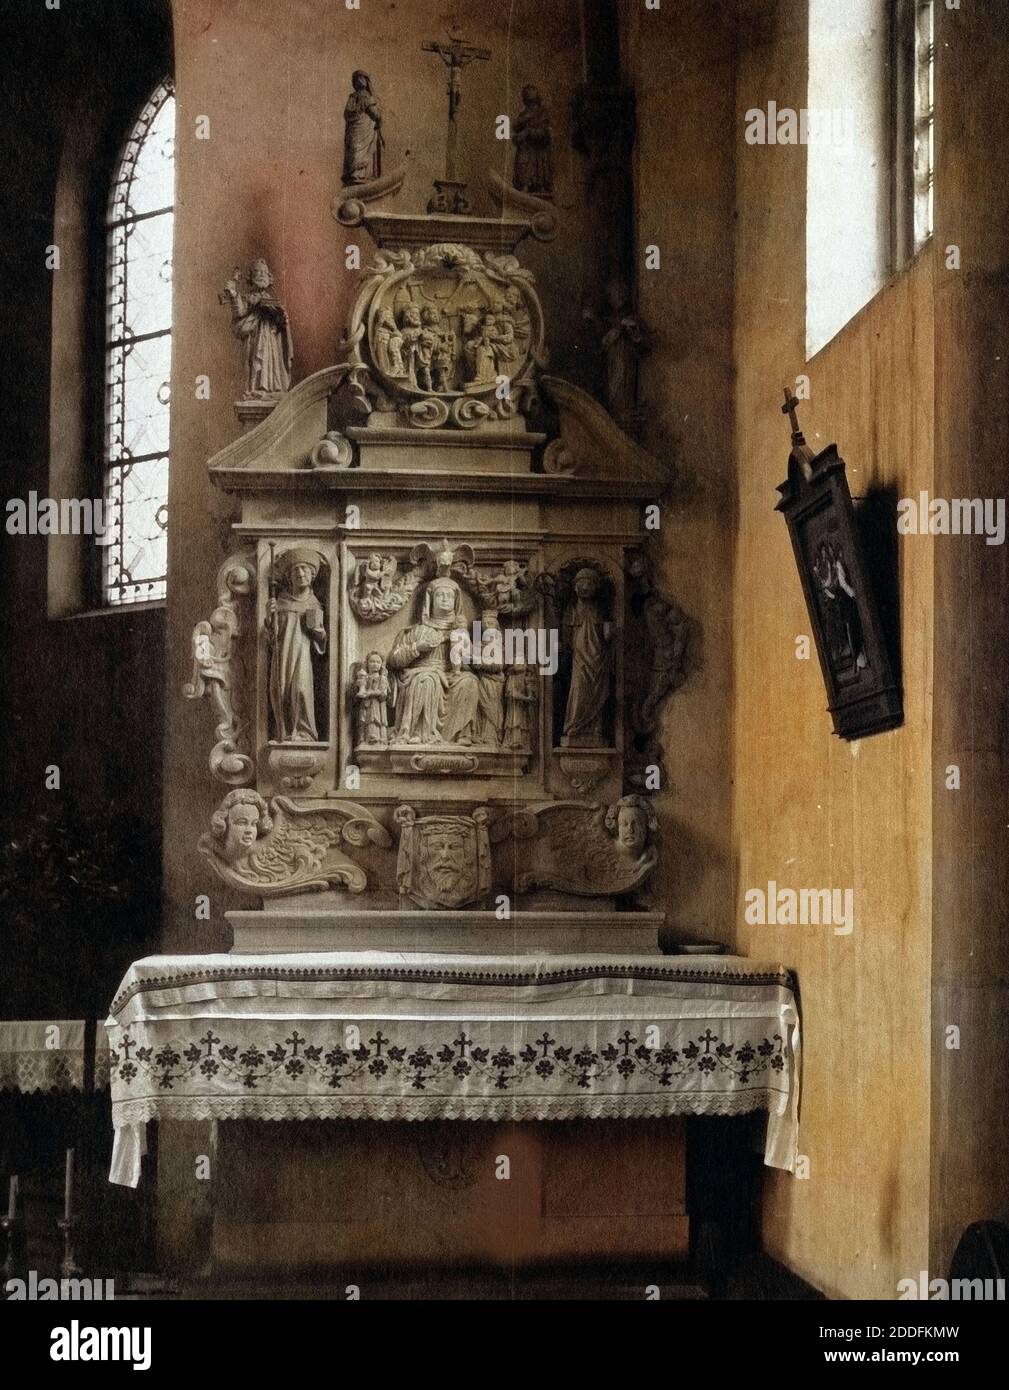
48,1055
387,1035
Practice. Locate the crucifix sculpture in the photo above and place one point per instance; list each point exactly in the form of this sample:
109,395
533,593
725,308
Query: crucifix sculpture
449,193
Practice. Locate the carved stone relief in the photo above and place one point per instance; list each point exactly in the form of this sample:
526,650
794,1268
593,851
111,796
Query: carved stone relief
378,588
214,652
444,861
287,847
449,693
438,328
589,850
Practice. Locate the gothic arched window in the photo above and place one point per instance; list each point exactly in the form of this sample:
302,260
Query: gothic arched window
138,355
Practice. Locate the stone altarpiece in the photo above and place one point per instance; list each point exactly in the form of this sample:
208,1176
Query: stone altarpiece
438,653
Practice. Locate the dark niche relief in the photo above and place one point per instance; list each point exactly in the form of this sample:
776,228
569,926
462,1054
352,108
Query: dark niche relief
297,638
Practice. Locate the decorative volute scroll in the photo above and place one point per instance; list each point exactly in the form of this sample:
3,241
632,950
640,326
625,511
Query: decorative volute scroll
287,847
284,441
590,850
214,642
349,207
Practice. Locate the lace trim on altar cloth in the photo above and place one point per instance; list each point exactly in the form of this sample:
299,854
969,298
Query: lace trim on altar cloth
130,1112
28,1064
131,1116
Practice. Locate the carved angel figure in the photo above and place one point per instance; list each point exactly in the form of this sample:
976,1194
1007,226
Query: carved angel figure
274,851
632,822
240,820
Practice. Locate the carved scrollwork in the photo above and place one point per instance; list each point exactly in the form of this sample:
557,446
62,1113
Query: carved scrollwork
213,651
467,413
334,450
349,207
542,215
559,460
428,414
287,848
586,849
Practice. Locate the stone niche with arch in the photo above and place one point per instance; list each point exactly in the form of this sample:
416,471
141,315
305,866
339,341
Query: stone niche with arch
438,652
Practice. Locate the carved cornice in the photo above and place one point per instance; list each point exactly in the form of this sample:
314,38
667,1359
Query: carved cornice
285,439
592,444
543,215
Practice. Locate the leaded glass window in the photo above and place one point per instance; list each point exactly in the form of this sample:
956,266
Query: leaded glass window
138,352
924,122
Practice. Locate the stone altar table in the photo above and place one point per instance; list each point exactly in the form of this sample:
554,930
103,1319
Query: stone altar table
408,1036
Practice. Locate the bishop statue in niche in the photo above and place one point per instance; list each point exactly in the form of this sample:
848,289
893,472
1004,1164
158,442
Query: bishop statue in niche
295,632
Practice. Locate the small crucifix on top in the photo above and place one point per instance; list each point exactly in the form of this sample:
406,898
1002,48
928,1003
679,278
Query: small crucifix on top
449,192
789,409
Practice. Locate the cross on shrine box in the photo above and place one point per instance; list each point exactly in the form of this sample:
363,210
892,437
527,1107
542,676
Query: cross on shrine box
791,402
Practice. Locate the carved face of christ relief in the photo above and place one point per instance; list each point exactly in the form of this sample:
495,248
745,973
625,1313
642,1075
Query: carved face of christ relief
445,850
446,862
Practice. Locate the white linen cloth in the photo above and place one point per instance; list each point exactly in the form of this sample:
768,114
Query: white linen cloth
48,1055
388,1035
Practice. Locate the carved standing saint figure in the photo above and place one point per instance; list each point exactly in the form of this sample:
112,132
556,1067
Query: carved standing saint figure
520,702
625,342
587,635
480,350
371,696
362,138
534,163
294,630
389,343
261,323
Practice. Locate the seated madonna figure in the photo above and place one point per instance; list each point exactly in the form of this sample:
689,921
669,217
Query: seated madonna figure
436,700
